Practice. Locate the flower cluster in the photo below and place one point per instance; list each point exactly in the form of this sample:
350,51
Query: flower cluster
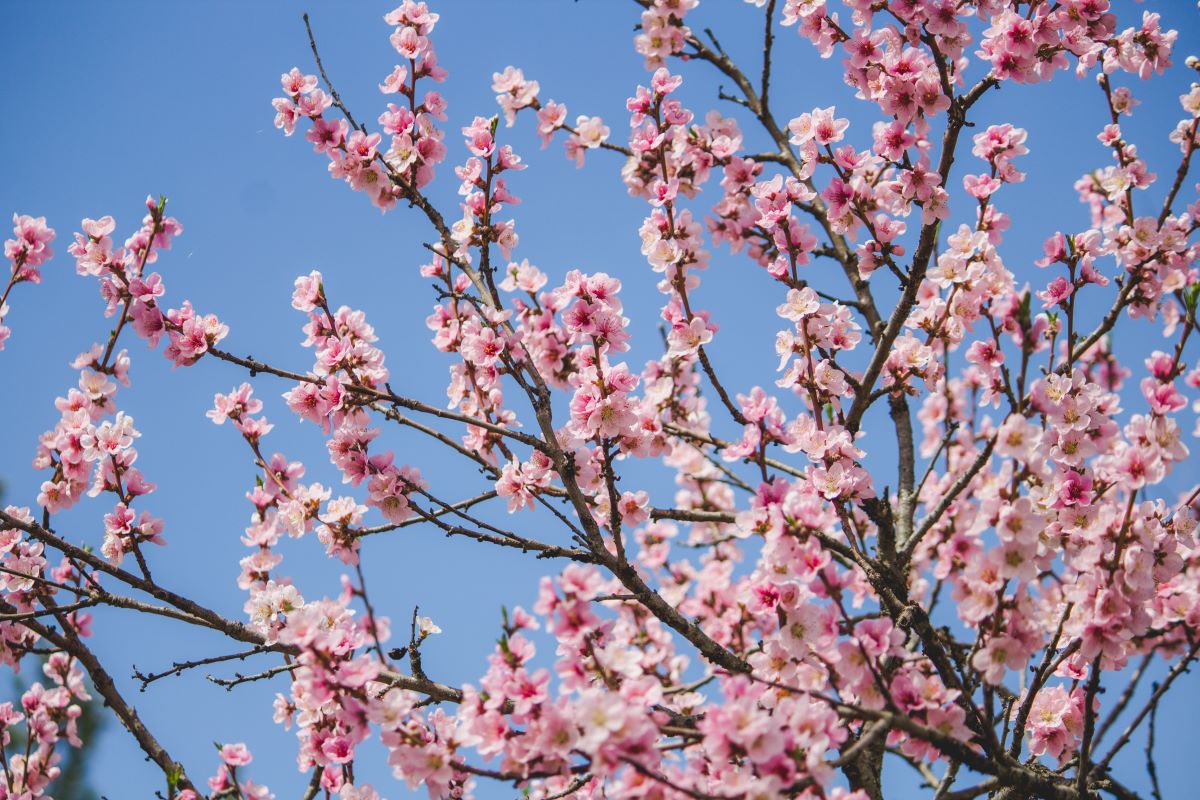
25,254
354,155
484,192
90,449
47,715
516,93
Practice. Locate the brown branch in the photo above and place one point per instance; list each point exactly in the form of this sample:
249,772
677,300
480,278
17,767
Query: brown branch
972,791
1151,767
238,678
1126,695
462,505
1180,173
23,616
179,667
1177,669
693,515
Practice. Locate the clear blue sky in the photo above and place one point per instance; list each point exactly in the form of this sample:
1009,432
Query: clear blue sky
107,103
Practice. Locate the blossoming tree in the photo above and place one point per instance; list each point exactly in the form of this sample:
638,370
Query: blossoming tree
978,598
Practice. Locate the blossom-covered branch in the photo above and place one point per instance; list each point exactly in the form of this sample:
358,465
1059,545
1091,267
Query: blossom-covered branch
807,604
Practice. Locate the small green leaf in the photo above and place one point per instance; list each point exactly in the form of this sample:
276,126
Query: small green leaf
1190,296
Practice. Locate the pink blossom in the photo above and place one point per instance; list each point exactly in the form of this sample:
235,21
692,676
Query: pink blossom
236,755
688,336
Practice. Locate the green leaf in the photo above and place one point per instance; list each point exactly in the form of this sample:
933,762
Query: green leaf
1190,296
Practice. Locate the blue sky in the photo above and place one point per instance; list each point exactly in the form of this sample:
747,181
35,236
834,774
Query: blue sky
108,103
